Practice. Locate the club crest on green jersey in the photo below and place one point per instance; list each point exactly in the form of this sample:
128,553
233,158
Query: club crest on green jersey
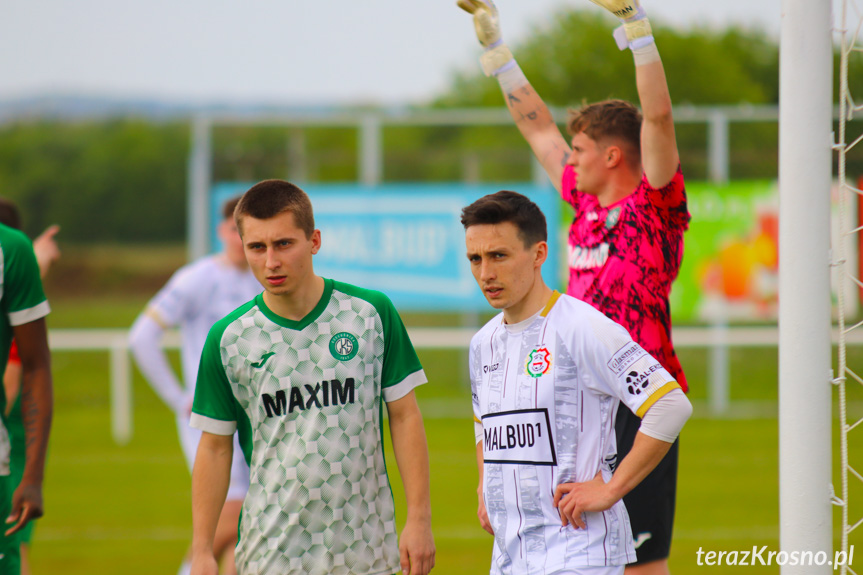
538,362
344,346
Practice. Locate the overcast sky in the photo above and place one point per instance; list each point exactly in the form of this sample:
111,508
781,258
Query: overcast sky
278,51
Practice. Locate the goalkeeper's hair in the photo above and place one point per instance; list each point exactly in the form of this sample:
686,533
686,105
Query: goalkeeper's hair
9,214
270,198
507,206
609,121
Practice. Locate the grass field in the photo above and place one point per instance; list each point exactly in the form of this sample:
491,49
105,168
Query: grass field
126,509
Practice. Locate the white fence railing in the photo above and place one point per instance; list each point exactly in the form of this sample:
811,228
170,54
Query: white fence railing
115,341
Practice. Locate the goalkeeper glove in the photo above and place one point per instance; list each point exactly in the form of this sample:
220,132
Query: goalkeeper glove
497,57
635,32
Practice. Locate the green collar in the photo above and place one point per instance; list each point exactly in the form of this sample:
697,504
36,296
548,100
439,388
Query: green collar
303,323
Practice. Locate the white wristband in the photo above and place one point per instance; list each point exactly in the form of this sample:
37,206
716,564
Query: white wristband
511,78
645,54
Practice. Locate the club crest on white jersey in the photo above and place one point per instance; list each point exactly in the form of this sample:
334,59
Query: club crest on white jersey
538,361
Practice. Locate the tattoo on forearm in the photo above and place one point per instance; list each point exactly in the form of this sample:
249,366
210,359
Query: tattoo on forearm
29,415
512,99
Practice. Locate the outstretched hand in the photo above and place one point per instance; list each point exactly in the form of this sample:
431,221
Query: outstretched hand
46,250
26,506
573,499
485,20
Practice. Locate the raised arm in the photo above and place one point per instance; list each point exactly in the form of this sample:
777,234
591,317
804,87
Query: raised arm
416,543
36,411
211,477
530,113
659,155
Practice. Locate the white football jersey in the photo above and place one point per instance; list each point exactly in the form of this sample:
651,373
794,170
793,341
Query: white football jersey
198,295
546,392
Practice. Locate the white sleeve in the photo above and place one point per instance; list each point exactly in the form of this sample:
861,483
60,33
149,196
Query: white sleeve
665,418
620,367
145,341
475,372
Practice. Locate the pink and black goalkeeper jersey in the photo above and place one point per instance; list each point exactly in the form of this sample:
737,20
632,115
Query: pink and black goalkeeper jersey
623,258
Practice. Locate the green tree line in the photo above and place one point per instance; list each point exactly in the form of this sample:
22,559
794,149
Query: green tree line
125,180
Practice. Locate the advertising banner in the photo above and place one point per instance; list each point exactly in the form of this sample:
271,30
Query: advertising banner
404,240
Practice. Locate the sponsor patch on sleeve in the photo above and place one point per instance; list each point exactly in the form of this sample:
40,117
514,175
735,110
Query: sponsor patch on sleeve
638,381
518,437
624,357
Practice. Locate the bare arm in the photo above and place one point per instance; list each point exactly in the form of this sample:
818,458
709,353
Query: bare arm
536,124
659,154
595,495
211,477
11,384
416,543
36,411
659,428
481,512
530,113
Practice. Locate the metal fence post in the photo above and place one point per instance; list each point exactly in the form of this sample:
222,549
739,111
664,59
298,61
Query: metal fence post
718,146
121,391
370,152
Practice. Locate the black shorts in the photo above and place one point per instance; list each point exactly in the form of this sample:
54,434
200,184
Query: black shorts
651,503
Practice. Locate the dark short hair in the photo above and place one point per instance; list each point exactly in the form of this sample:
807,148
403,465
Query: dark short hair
9,214
507,206
229,206
270,198
608,120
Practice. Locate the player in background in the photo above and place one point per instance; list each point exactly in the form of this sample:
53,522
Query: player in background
196,296
547,375
26,307
47,252
302,371
622,176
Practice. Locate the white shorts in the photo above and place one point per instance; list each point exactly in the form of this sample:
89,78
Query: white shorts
189,439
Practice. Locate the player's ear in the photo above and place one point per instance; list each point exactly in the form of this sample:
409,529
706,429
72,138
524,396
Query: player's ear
540,253
613,156
316,241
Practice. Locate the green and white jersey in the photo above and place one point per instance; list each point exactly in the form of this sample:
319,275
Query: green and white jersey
307,397
22,300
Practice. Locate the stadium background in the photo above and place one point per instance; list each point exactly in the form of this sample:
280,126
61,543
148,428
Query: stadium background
117,186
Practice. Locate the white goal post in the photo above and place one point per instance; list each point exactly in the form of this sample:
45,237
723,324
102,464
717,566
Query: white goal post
805,175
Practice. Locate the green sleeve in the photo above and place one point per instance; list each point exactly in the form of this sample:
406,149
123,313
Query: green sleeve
23,296
214,408
400,357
